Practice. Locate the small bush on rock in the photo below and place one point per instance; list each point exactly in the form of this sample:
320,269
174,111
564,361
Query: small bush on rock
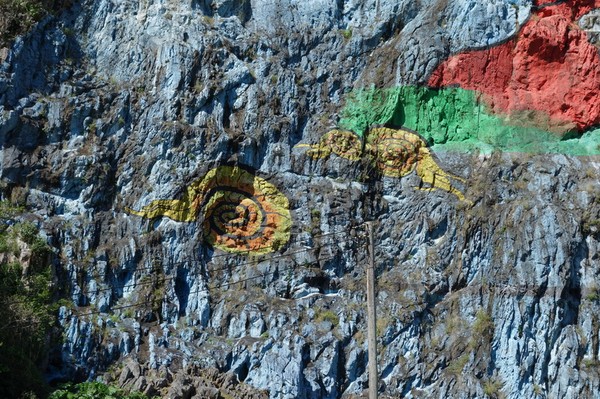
18,16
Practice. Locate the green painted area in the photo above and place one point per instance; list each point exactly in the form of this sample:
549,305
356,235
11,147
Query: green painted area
454,119
368,107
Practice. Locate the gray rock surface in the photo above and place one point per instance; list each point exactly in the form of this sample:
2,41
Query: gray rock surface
113,104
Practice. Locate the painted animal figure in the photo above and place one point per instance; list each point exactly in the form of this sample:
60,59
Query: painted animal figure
240,212
394,152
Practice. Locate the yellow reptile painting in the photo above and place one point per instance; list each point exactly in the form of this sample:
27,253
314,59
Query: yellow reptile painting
394,152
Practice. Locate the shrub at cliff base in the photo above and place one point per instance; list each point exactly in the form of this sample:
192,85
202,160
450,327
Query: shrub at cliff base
26,308
93,390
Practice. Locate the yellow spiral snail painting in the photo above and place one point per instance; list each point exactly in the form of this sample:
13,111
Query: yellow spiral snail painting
393,152
241,212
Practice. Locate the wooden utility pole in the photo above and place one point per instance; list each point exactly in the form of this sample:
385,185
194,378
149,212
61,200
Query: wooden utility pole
371,324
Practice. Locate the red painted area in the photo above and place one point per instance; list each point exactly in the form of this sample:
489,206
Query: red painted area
550,66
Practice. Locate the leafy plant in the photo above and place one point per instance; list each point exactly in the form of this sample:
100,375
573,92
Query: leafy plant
93,390
26,307
346,33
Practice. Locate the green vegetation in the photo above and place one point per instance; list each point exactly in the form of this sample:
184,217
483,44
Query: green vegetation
483,330
491,388
328,315
346,33
456,366
315,222
18,16
93,390
484,325
593,294
26,307
454,119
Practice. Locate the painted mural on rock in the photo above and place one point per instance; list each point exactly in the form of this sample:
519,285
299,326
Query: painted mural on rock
392,152
240,212
549,70
536,92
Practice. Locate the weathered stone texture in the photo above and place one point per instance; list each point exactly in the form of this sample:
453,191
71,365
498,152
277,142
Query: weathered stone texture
114,104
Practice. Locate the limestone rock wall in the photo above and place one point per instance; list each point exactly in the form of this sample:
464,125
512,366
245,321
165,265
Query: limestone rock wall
117,119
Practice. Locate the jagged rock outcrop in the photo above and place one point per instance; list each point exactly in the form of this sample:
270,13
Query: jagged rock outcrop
192,382
112,106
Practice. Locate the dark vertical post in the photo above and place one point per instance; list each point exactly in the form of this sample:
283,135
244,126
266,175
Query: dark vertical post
371,315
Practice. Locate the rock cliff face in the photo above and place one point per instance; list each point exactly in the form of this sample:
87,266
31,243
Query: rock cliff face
208,231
